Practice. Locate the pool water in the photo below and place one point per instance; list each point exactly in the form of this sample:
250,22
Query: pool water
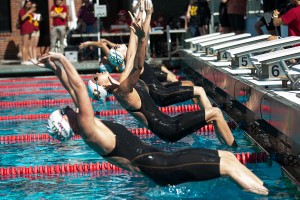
109,184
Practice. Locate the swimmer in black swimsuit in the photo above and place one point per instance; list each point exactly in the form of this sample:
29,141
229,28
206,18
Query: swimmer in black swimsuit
120,147
162,94
136,100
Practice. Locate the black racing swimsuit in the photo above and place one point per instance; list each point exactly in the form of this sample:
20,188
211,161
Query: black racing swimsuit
168,128
164,168
165,95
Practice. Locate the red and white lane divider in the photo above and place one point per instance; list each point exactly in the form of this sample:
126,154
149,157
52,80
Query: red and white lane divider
50,78
35,137
44,102
54,78
169,109
7,172
15,93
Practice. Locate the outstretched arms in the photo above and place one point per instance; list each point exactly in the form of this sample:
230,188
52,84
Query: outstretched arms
134,67
140,58
72,82
103,44
61,74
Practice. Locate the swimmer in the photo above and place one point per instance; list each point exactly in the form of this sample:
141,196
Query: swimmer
133,96
162,72
120,147
162,94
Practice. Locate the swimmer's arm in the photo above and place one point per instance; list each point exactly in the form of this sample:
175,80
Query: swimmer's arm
135,6
140,58
60,73
134,66
62,76
132,45
86,112
130,54
99,44
109,43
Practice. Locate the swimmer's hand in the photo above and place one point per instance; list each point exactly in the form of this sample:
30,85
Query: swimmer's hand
84,44
134,20
45,64
148,8
52,55
138,30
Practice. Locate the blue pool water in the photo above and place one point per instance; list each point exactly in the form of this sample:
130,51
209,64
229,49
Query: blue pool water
109,185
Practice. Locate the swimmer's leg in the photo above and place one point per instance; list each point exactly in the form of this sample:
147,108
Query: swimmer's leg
171,77
230,166
202,98
195,100
221,127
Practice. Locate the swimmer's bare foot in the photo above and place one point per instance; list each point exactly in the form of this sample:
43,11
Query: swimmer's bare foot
259,190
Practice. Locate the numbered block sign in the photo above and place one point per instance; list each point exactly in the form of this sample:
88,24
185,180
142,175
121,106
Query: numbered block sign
100,10
210,51
275,71
244,62
223,55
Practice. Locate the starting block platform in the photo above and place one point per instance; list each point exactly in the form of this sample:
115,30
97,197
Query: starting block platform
266,99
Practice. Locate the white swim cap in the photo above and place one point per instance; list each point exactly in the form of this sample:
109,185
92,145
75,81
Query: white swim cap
58,127
98,92
117,59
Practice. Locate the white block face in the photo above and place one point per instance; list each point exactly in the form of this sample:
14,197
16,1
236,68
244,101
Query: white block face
244,62
224,56
275,71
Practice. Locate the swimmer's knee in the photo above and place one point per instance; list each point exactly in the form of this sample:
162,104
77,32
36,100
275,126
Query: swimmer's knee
199,91
215,113
227,154
187,83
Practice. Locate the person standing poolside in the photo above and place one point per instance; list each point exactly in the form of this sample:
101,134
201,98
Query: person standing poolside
266,19
58,13
237,11
36,32
88,24
291,18
136,100
204,14
120,147
192,18
223,17
26,29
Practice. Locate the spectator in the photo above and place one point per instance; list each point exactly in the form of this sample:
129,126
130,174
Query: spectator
192,18
291,18
204,17
88,24
158,47
87,19
26,29
266,20
36,32
223,17
237,12
159,21
59,14
122,18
